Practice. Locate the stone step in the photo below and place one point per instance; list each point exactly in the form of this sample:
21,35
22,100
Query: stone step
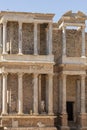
31,128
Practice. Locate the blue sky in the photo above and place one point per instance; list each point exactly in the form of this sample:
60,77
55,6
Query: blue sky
59,7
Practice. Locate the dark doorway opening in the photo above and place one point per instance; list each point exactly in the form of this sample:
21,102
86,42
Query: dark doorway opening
70,111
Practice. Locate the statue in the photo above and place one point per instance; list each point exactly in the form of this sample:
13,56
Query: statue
42,106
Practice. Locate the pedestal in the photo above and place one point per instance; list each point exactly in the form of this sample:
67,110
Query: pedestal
82,122
63,122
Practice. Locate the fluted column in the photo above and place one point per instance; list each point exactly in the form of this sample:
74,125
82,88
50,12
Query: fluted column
83,42
20,94
35,40
64,41
4,36
35,94
4,94
50,94
50,39
83,94
20,38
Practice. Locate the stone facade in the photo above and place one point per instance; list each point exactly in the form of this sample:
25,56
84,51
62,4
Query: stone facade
43,83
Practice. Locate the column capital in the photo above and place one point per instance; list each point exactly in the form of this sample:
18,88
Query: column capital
50,74
35,74
50,23
20,74
35,23
83,76
20,23
4,73
63,27
4,22
83,27
63,76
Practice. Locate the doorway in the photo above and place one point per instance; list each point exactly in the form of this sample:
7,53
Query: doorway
70,111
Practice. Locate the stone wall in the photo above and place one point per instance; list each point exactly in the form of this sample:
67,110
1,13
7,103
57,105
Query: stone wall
28,38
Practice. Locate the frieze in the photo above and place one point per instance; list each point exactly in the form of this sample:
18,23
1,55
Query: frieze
30,68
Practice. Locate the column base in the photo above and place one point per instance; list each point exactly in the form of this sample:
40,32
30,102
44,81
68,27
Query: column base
83,56
82,120
35,54
4,53
36,114
50,114
20,114
64,128
83,128
63,120
20,53
4,114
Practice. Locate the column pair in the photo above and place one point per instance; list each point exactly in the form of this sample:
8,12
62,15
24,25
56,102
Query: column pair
49,92
64,41
4,94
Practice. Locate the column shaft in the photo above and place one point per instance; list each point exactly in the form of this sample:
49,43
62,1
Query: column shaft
35,40
50,38
50,94
64,41
47,41
20,37
4,37
83,41
20,94
35,94
60,93
78,96
4,94
63,94
0,93
39,93
83,94
0,36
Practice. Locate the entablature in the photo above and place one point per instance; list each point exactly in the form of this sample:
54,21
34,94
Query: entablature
16,58
26,17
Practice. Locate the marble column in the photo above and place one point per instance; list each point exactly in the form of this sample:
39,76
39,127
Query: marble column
60,95
20,94
0,92
4,36
64,93
83,94
64,41
20,38
4,94
83,42
39,92
50,94
47,41
50,39
78,96
35,39
0,36
35,94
